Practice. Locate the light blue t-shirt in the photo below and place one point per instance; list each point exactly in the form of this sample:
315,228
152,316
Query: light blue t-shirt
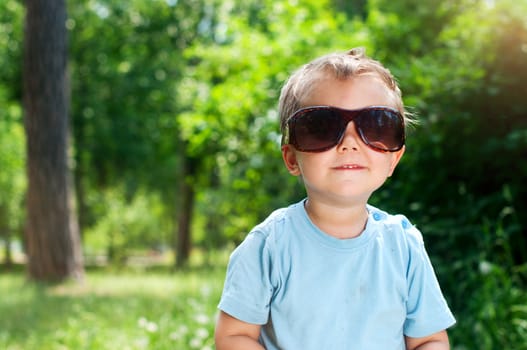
310,290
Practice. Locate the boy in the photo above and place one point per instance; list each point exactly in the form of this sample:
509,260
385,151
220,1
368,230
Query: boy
333,272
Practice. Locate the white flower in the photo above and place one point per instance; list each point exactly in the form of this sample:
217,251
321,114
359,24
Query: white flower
151,327
202,318
485,267
202,333
179,333
142,322
206,290
195,342
142,343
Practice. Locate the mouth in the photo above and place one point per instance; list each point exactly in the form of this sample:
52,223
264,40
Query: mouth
349,167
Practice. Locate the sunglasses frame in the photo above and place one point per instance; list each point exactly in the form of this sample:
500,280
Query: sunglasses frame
347,115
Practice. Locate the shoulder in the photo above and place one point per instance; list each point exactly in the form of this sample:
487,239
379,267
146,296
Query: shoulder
275,219
271,231
396,226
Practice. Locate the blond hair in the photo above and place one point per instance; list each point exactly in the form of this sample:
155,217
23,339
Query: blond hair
339,66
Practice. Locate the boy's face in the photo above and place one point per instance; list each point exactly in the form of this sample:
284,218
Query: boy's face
348,173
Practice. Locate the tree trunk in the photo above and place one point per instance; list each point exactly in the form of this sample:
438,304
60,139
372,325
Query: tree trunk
186,206
6,237
52,234
8,256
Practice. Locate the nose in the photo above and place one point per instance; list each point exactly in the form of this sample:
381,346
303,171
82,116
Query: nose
350,140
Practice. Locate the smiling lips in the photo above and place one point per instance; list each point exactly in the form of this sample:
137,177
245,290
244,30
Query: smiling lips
349,167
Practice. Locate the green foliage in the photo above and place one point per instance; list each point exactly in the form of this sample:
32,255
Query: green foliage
12,175
12,165
125,62
112,311
12,141
125,224
11,19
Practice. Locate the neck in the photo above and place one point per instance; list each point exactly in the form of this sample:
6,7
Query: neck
337,221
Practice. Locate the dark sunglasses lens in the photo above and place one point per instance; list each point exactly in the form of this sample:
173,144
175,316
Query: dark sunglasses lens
317,130
381,129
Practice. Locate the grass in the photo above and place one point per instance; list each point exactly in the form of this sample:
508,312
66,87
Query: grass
112,309
142,307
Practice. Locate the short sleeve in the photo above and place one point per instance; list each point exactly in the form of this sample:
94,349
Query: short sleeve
427,309
248,289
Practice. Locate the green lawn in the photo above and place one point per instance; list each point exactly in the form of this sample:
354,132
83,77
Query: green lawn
151,308
112,310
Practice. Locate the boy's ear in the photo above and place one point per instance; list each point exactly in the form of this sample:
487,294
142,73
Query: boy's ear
395,160
290,161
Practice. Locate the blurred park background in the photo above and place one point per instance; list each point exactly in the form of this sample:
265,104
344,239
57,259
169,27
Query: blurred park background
169,131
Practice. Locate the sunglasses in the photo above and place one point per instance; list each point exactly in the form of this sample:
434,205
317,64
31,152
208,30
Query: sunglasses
319,128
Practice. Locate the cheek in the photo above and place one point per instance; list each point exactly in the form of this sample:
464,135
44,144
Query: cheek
390,164
310,164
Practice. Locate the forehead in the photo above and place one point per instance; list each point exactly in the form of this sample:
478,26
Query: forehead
351,93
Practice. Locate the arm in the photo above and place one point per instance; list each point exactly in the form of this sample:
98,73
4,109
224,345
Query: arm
436,341
232,334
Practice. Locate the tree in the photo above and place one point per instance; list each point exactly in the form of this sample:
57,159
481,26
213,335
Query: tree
186,196
52,237
127,101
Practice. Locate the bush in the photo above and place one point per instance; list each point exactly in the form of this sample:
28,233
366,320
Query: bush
125,224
